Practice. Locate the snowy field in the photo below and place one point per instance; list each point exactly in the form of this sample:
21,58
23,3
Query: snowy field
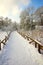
18,51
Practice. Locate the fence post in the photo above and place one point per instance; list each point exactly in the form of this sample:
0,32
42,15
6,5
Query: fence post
35,45
5,38
0,44
39,48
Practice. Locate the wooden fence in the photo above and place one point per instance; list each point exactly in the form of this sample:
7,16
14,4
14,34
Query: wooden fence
37,43
4,40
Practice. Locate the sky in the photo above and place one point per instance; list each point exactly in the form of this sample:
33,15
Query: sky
13,8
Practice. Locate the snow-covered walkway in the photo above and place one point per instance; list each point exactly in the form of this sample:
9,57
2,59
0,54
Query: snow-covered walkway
19,52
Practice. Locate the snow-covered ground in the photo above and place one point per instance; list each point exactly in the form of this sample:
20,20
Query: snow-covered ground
19,52
2,35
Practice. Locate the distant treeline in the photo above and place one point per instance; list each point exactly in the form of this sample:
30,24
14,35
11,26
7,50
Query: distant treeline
7,24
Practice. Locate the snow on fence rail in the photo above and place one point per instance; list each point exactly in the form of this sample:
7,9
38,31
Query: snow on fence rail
37,43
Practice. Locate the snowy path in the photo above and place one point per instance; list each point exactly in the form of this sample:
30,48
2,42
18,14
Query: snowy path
18,52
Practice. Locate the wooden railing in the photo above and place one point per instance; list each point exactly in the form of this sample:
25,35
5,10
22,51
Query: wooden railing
4,40
37,43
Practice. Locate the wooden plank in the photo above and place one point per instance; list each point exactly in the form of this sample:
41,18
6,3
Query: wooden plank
41,47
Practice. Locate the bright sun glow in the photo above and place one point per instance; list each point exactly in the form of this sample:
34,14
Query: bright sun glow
12,8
